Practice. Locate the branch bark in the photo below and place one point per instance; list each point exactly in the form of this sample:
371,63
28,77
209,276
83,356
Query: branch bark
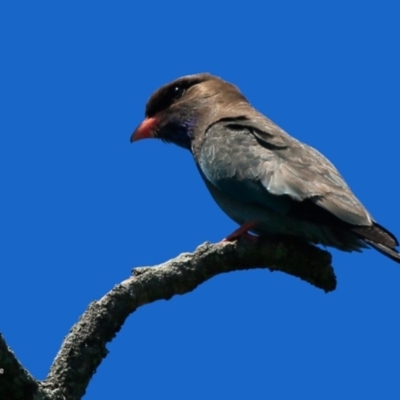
85,346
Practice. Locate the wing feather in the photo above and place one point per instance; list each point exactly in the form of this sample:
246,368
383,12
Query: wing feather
262,157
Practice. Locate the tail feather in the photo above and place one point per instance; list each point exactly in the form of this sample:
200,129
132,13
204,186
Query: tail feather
376,233
387,251
380,239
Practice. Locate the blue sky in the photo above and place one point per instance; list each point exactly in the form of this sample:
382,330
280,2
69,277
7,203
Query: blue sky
81,206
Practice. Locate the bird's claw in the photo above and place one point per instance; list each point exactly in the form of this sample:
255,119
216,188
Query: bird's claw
242,232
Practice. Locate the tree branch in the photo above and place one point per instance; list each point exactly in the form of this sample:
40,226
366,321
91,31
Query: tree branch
15,380
85,346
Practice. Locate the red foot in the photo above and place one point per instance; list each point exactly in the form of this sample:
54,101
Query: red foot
242,232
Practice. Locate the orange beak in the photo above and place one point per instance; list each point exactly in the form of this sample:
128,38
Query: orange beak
144,130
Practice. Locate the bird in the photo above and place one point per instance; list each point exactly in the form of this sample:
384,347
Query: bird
268,182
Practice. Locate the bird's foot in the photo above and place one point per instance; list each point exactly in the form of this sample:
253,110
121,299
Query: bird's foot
242,232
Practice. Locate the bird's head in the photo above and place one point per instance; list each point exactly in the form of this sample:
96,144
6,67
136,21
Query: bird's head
184,108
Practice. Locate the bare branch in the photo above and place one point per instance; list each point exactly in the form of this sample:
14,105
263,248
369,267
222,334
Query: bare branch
85,346
15,381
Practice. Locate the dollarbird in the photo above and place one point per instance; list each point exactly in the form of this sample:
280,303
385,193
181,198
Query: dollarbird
270,183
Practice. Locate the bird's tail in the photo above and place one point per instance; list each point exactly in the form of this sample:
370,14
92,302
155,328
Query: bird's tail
380,239
387,251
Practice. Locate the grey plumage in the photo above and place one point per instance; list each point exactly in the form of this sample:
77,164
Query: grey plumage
256,172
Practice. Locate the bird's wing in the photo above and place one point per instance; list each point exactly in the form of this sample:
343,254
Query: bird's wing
255,160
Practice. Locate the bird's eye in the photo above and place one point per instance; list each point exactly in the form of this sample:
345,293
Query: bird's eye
177,92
